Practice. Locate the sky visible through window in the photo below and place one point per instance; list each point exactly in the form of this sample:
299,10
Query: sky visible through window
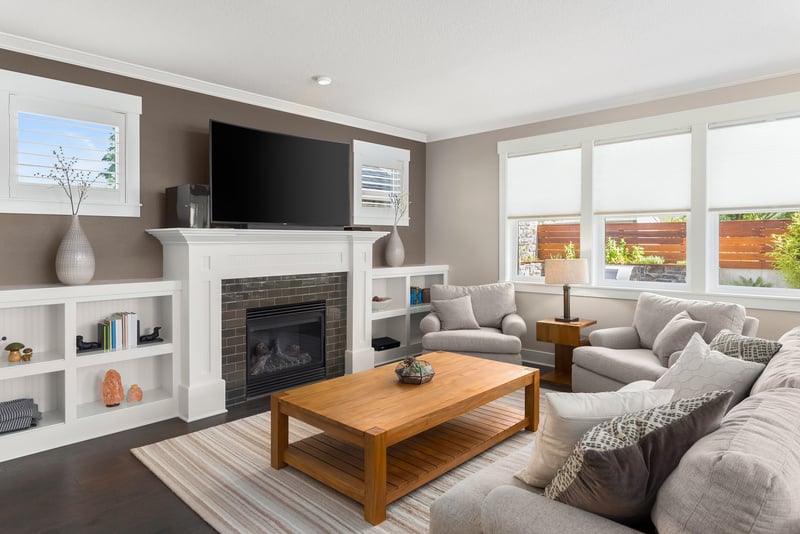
94,145
377,183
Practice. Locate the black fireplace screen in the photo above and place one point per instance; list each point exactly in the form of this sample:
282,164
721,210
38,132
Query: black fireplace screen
285,346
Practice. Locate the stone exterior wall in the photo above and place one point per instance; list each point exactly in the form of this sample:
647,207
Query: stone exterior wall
675,274
239,294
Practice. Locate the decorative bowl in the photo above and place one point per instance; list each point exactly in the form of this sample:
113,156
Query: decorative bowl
379,305
414,371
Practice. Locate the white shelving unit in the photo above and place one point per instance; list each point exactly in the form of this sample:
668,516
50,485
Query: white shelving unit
66,384
400,320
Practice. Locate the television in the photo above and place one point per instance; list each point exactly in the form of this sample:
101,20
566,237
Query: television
272,180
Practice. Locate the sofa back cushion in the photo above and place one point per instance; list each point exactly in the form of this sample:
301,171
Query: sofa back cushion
490,302
784,368
743,477
653,312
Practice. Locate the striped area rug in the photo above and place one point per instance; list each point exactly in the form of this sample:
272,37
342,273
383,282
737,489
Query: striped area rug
223,474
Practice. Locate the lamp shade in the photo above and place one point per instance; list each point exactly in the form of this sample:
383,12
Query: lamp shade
565,272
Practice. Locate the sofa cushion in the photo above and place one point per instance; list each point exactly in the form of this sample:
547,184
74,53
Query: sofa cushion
784,368
455,314
700,369
744,477
490,302
482,340
569,416
675,335
751,349
653,312
622,365
617,467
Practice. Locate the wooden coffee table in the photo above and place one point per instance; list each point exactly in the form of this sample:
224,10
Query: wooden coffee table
382,439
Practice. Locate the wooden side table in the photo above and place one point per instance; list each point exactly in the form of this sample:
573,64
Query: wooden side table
565,336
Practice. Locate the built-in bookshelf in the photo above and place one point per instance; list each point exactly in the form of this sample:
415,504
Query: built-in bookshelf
67,383
400,319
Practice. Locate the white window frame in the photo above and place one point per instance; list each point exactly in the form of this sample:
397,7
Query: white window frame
33,94
372,154
701,254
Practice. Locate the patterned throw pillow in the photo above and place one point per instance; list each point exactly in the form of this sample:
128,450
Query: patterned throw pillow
751,349
617,467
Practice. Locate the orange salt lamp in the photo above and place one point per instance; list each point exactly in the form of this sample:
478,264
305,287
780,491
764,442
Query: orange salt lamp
112,388
134,393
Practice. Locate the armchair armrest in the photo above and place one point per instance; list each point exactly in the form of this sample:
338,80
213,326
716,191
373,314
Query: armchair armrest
619,337
430,323
514,325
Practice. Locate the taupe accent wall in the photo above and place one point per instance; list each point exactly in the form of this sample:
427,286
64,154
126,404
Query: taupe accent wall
463,221
174,151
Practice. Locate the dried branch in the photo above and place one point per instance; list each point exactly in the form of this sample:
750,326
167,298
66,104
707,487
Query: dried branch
65,175
400,203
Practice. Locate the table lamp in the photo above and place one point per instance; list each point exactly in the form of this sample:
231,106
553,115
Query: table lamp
566,272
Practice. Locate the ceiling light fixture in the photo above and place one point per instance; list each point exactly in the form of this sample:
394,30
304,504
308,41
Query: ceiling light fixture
323,80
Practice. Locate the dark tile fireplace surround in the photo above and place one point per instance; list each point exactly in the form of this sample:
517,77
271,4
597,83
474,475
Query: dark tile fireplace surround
241,294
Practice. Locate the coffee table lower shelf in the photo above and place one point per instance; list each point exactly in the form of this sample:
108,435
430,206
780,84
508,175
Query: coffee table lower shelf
409,463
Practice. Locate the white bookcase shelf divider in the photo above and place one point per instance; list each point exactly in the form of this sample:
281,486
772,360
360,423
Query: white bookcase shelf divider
66,384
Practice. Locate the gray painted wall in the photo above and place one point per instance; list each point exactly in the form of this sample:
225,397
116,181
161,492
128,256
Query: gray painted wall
463,227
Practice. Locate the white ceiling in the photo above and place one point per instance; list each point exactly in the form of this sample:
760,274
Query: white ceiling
424,69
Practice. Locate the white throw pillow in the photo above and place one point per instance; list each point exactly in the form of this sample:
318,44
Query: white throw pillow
456,314
569,416
675,335
700,370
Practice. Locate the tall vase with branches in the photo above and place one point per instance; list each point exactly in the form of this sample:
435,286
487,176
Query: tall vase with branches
395,252
75,258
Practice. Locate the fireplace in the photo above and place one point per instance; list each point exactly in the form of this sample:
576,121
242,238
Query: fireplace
285,346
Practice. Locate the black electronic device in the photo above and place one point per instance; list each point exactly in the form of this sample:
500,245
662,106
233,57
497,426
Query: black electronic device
187,206
272,180
383,343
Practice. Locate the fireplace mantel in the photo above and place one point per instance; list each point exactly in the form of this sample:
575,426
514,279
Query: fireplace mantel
202,258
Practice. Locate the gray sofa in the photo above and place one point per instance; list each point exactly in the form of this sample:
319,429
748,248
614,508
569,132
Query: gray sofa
495,332
621,355
742,477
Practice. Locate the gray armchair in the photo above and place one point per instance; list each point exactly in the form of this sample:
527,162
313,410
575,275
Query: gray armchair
474,320
620,355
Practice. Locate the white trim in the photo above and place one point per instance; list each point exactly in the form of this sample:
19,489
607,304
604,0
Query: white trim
123,68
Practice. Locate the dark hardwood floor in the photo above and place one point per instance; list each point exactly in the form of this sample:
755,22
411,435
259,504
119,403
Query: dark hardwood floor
99,486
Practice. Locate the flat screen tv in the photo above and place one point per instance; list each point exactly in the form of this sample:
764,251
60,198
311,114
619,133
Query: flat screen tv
271,180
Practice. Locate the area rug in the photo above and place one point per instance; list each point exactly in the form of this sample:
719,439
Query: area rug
223,474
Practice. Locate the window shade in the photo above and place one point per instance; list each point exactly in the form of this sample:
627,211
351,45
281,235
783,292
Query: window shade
643,175
544,184
754,165
377,183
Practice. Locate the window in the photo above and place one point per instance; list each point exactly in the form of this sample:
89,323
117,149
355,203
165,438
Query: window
92,130
753,172
379,171
641,178
543,204
703,201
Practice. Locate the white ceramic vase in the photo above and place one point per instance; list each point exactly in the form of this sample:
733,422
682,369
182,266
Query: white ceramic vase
395,253
75,257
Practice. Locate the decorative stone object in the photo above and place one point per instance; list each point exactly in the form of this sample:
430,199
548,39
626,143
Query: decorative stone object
134,393
75,257
112,389
414,371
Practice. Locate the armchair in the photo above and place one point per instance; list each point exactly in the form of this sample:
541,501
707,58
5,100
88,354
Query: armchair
620,355
474,320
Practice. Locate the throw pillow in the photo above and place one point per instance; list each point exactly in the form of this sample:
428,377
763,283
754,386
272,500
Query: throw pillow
618,466
675,335
456,314
751,349
700,370
569,416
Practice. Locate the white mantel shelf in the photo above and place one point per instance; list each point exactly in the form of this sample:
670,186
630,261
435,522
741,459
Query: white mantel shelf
203,257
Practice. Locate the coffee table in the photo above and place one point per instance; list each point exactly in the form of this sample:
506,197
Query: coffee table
382,439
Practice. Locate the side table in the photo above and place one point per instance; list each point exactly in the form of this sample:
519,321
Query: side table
565,336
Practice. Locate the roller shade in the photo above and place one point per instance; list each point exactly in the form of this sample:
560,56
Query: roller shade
544,184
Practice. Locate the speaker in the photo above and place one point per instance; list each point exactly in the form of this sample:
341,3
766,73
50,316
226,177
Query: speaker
188,206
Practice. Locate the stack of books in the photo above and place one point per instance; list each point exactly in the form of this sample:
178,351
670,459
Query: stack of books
119,331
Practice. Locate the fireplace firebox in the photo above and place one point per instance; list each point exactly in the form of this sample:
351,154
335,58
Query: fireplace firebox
285,346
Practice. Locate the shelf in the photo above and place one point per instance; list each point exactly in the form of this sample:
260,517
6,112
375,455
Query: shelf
42,362
100,357
421,308
385,314
150,396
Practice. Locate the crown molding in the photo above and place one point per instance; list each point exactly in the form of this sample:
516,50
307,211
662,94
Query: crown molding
93,61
